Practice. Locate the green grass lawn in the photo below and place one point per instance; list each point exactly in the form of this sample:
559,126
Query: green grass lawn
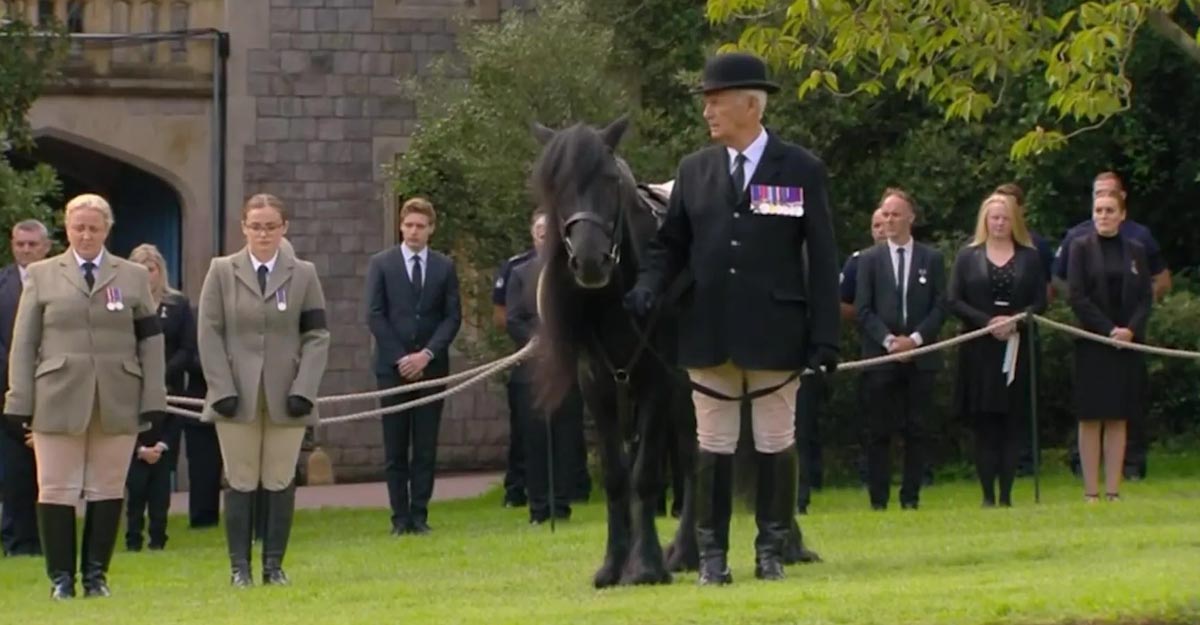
1137,561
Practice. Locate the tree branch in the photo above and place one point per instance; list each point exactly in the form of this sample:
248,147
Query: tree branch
1174,33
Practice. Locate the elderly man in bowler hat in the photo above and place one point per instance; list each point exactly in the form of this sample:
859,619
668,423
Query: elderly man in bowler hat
749,217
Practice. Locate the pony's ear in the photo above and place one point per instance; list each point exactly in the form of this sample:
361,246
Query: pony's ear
613,132
542,133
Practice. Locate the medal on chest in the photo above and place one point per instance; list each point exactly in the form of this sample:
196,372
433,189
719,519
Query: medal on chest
921,276
113,300
281,299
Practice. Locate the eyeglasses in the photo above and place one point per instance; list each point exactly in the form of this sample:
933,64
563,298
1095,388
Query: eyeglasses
261,228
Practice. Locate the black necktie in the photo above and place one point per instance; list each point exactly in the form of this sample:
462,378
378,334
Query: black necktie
417,278
262,278
900,284
88,276
739,174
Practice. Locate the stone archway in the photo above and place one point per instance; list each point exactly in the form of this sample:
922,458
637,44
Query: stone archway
147,208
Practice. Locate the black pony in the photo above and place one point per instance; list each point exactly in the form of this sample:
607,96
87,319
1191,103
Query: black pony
598,227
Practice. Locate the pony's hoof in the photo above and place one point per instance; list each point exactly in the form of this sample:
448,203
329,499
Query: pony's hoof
646,577
681,559
802,556
607,576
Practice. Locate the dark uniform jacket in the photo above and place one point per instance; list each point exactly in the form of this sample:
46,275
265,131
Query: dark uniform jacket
878,301
765,286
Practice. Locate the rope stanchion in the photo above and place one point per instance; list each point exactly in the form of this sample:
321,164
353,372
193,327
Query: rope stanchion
1111,342
471,377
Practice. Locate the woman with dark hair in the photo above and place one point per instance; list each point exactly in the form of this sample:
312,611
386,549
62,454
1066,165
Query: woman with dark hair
1110,292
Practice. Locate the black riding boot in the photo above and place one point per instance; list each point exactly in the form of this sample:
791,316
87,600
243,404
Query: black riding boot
56,528
280,507
239,523
776,501
714,506
100,525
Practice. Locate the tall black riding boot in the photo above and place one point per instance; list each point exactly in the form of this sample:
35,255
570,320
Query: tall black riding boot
774,506
280,507
56,528
714,506
100,525
239,523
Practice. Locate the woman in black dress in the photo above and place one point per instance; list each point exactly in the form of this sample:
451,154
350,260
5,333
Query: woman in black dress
1110,287
995,277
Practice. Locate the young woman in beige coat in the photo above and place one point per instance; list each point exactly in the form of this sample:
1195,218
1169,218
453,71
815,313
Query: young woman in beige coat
263,345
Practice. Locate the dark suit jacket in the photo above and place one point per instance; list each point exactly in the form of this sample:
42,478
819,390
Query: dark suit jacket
400,325
10,296
878,303
1088,287
765,286
521,312
970,293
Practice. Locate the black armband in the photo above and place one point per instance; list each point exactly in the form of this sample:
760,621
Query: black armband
146,327
312,320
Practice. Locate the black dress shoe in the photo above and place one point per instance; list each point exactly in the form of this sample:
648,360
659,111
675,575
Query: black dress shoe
715,572
912,505
275,577
240,577
156,546
879,506
419,527
400,530
769,570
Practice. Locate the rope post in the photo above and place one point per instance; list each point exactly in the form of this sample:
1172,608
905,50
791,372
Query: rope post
550,467
1033,411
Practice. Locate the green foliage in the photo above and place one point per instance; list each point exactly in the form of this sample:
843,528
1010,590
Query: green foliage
29,59
961,55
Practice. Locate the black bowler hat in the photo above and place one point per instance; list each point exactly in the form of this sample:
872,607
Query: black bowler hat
735,70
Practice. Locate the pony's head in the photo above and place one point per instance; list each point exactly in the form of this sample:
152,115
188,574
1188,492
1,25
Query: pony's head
584,191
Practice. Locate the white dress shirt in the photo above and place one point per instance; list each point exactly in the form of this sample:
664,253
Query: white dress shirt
24,275
95,261
270,263
908,257
753,154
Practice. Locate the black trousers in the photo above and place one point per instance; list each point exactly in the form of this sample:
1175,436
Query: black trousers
18,523
415,431
514,474
997,448
557,436
204,474
148,494
810,398
899,396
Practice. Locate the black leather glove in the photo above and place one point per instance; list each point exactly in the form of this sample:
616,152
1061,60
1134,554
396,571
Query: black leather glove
226,406
639,301
298,406
153,417
823,359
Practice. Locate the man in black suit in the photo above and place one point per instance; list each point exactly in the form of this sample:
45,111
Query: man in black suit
414,314
749,217
18,523
900,307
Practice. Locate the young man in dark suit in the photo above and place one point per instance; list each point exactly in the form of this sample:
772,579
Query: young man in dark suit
749,217
900,308
18,524
414,313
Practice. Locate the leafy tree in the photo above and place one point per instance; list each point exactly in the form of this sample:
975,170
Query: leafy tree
965,55
29,59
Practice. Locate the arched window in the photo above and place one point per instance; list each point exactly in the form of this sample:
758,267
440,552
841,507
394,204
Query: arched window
75,16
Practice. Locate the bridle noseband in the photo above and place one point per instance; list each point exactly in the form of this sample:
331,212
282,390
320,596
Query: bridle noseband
615,231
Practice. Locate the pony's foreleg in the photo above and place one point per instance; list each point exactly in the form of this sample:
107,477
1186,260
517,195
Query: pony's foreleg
616,487
646,565
683,554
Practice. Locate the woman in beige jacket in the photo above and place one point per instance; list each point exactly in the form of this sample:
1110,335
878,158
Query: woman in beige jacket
85,376
263,345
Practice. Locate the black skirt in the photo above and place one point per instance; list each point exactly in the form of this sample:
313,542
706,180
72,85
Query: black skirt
981,387
1109,383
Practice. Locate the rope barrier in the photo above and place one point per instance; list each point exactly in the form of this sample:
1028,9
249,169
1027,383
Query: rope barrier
463,380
